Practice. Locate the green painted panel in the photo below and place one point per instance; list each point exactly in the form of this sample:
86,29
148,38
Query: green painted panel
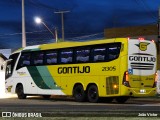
48,79
36,76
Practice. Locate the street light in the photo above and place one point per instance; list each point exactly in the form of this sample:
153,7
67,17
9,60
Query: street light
39,21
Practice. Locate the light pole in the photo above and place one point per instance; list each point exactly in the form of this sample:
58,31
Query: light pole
23,26
62,21
39,21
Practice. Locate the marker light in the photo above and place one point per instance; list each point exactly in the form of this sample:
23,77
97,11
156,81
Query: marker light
115,86
141,38
126,75
152,40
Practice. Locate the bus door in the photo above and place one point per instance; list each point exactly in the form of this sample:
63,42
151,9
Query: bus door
8,72
141,64
7,68
27,74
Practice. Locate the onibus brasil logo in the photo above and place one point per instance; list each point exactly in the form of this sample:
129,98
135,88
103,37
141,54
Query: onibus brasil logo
142,46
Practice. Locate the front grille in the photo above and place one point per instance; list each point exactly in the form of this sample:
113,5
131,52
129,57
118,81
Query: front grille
110,82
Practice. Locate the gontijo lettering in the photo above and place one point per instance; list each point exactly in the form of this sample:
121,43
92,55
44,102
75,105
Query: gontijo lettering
140,58
73,70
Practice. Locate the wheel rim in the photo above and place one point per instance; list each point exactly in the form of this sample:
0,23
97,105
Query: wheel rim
93,93
78,93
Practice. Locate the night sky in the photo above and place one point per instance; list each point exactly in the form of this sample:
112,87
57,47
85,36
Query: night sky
87,19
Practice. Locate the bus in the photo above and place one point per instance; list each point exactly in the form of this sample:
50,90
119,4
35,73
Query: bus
114,69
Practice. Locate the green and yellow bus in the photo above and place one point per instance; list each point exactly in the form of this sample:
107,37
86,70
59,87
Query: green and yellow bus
117,68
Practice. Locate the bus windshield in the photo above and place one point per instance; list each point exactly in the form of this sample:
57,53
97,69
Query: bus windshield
10,65
8,72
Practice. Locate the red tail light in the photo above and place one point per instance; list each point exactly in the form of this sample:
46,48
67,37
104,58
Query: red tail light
126,79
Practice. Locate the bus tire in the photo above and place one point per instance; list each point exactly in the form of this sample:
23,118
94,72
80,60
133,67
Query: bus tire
79,93
20,92
122,100
92,94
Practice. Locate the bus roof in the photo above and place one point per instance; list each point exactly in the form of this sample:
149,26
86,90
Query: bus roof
68,44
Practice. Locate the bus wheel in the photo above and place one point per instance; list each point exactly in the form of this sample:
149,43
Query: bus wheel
20,92
79,93
46,96
92,94
122,99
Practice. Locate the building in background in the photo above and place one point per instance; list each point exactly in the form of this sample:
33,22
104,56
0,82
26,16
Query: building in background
4,55
5,52
148,32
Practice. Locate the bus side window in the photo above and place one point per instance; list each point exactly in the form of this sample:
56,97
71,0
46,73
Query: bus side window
38,58
99,54
24,60
82,55
66,56
114,51
51,57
